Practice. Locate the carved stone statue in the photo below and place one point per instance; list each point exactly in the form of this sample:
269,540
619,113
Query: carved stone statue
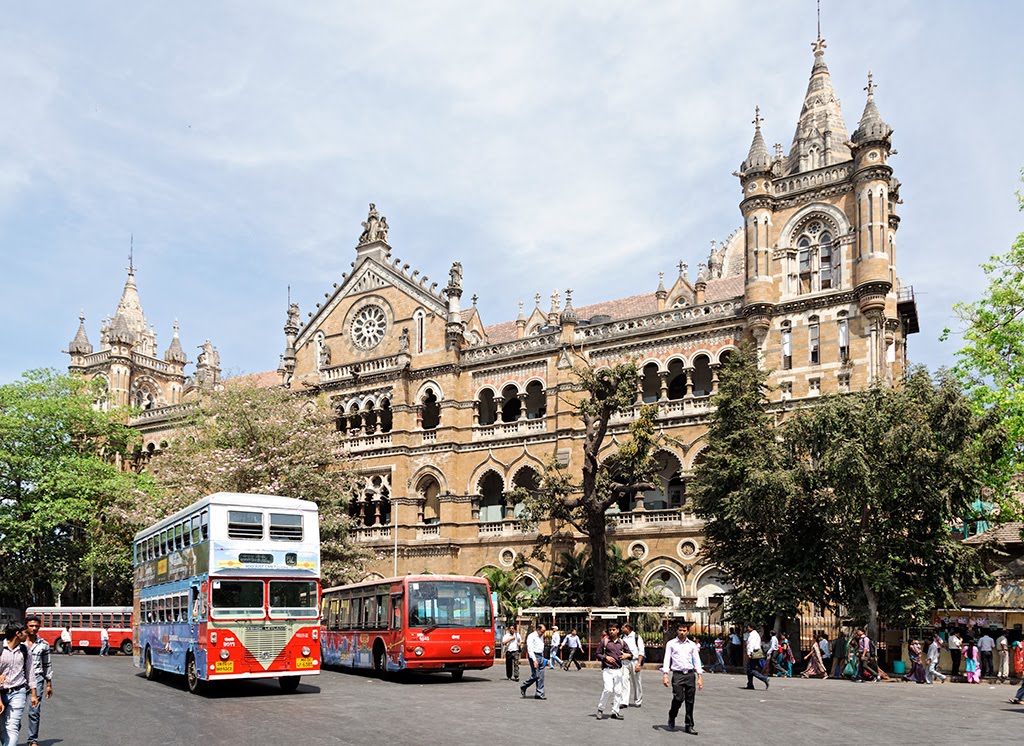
208,358
375,228
323,352
403,340
455,275
293,314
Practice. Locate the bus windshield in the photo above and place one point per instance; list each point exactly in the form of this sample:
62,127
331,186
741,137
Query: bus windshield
448,603
237,598
293,598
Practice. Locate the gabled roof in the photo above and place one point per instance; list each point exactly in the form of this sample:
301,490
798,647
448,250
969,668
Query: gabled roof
1007,533
265,380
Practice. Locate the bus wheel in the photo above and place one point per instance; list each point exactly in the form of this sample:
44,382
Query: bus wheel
148,667
195,684
126,647
457,674
289,683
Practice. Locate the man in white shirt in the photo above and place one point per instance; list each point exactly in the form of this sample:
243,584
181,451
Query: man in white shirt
986,645
572,642
772,653
681,668
954,644
755,656
632,687
535,653
104,641
512,640
1003,647
933,660
556,643
735,648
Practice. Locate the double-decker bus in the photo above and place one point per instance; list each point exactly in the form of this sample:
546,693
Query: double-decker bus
418,622
228,588
85,623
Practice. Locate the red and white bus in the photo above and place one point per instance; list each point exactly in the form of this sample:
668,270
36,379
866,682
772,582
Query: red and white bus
85,623
417,623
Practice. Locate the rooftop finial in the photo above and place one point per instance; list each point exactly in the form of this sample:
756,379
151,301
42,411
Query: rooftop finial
475,298
819,47
870,87
757,118
536,299
131,253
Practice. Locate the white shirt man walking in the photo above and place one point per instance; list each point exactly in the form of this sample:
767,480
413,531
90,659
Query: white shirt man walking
682,670
1003,647
535,654
632,686
755,657
556,643
933,660
512,640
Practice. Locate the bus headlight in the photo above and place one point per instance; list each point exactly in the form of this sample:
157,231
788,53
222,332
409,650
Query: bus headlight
418,650
487,649
213,638
316,634
305,652
224,654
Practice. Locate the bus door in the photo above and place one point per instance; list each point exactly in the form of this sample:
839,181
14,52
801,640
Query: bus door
195,612
397,618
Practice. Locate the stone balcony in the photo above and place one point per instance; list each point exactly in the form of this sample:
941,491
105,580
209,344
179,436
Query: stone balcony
515,429
648,519
372,533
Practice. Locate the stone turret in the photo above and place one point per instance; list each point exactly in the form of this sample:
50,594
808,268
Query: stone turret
80,345
291,334
175,353
820,138
455,328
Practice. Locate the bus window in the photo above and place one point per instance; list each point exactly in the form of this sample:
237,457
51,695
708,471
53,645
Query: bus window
107,620
76,620
163,543
245,524
292,598
65,620
237,598
382,619
186,534
204,521
285,527
195,530
396,612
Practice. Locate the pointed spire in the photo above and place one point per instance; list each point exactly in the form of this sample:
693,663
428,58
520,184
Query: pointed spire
520,317
872,127
568,313
175,353
758,159
80,345
661,284
820,137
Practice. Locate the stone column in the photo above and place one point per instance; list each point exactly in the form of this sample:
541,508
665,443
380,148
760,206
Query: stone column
714,377
689,383
522,406
664,385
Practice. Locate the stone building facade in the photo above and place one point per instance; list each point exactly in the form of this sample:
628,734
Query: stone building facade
133,374
444,416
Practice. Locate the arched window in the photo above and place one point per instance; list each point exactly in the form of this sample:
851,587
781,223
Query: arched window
702,376
814,340
430,416
536,401
492,498
825,273
430,492
804,263
787,345
340,420
419,320
510,404
651,383
527,479
487,412
676,380
355,420
843,335
386,416
370,418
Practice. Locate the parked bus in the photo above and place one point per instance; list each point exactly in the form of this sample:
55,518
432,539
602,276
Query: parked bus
417,623
228,588
85,623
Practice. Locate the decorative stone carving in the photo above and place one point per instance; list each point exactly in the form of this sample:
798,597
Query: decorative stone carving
403,340
323,352
455,275
375,228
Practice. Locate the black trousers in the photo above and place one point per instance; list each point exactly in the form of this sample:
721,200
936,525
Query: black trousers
684,689
986,664
955,656
754,671
512,665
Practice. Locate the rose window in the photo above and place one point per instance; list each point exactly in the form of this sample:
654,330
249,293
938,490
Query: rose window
369,326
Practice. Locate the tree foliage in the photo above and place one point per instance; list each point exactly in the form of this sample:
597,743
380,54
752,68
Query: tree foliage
571,583
850,501
991,362
583,503
264,441
67,511
511,595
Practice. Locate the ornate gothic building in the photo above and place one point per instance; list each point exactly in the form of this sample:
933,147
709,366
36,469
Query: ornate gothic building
443,416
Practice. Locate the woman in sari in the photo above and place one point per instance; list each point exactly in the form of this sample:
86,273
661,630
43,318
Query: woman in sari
785,660
815,664
917,671
972,669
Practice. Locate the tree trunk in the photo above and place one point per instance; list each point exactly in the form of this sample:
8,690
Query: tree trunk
872,599
780,619
596,529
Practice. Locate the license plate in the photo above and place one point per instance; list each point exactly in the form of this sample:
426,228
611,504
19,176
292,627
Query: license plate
225,667
303,662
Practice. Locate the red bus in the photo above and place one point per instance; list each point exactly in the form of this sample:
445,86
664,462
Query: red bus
416,623
85,623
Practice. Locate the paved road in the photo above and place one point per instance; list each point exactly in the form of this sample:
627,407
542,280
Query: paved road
103,701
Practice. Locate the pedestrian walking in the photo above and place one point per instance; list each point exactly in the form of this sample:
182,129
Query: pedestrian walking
632,689
612,653
826,652
535,654
1003,648
19,686
985,646
839,648
735,648
42,675
933,660
512,641
772,654
547,647
556,644
815,663
65,640
682,671
719,646
954,643
972,665
104,641
755,657
574,646
1018,660
916,673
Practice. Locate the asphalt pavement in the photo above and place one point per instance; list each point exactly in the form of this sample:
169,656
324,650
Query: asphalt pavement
101,701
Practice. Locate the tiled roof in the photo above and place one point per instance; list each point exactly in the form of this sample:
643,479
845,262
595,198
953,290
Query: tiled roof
724,288
503,332
1007,533
264,380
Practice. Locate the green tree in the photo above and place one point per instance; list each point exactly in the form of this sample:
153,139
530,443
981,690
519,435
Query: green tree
66,507
584,504
511,596
991,362
571,582
760,529
889,472
264,441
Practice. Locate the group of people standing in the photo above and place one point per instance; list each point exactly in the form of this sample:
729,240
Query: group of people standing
552,646
26,677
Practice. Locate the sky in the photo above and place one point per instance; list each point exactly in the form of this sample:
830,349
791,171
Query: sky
544,145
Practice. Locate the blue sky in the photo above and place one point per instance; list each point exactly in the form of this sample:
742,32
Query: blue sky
542,144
